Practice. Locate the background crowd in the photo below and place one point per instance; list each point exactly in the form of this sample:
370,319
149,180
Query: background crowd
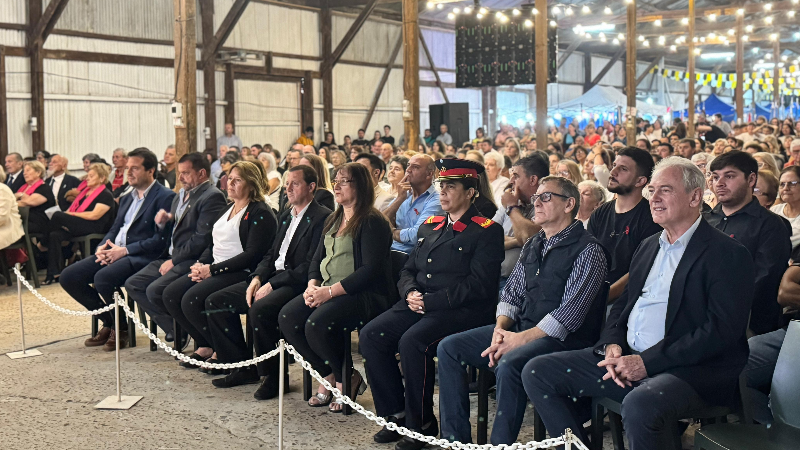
325,238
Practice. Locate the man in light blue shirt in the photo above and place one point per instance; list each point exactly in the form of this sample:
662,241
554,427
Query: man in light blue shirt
416,200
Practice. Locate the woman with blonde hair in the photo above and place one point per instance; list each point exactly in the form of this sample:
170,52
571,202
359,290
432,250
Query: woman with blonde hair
570,170
240,237
273,179
766,161
324,193
37,196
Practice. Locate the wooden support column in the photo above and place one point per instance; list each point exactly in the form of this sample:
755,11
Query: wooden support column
307,100
739,91
185,75
230,96
692,78
411,73
37,78
3,107
382,84
540,50
46,22
209,76
587,71
630,73
776,73
325,29
433,66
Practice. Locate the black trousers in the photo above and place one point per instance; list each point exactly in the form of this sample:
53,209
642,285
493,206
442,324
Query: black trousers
226,330
64,227
416,336
319,333
556,384
185,301
146,288
104,280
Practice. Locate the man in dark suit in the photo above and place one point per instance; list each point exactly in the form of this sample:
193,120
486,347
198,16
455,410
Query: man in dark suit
281,276
60,181
675,341
133,241
14,178
194,211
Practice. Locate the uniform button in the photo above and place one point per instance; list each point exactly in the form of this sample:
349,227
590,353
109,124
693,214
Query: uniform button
459,248
429,275
430,260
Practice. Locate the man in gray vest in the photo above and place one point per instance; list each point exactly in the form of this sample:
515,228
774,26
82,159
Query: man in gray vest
554,301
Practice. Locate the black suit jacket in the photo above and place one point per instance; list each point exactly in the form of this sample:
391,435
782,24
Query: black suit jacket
18,182
705,341
256,233
191,234
69,182
301,249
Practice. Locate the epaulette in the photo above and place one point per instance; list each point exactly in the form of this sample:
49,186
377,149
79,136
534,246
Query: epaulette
482,221
435,219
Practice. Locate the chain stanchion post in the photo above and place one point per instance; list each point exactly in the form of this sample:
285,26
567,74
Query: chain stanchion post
281,381
25,353
119,401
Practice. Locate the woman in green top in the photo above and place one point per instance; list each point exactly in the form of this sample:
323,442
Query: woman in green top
349,283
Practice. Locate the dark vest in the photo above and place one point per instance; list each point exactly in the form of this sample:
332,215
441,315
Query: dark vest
546,281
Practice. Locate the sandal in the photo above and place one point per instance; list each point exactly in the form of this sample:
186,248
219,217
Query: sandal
358,387
321,400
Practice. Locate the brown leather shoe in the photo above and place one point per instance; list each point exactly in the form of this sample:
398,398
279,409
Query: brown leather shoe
111,344
100,339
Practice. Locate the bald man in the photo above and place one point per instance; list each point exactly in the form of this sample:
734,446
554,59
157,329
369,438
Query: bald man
60,181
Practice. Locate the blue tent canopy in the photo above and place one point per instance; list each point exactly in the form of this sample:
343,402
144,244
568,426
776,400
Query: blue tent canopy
712,105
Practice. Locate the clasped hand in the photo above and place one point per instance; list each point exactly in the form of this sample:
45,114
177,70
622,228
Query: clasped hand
200,272
109,253
315,296
624,370
415,302
503,341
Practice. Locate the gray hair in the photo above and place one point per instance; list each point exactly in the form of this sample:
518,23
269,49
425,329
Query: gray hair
265,156
497,157
795,143
90,157
568,189
598,192
121,150
692,177
702,157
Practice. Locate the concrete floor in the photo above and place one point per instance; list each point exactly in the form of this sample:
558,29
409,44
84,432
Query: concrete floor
48,401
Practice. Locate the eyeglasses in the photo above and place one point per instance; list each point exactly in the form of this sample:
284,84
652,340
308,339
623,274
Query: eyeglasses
342,182
547,196
757,191
791,184
563,173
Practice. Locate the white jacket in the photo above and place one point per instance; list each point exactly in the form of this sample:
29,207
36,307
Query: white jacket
10,221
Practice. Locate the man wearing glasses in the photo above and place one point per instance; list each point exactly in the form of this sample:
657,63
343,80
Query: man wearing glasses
765,235
554,301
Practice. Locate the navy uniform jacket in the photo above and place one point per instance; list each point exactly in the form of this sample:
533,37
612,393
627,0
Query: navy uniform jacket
456,266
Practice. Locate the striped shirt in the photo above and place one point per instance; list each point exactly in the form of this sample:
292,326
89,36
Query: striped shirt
588,272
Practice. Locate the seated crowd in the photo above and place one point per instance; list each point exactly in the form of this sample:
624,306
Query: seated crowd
570,274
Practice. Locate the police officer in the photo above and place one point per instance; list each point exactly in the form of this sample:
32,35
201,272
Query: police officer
448,285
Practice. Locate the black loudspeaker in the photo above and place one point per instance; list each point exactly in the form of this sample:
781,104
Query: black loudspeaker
455,116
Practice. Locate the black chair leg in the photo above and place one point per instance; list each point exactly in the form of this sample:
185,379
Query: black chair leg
616,430
248,336
176,344
598,412
539,432
94,326
131,325
347,372
483,407
306,385
154,330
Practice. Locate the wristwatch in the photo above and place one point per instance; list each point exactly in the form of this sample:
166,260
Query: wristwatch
511,208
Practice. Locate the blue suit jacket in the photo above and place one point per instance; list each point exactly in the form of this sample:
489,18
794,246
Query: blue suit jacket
145,241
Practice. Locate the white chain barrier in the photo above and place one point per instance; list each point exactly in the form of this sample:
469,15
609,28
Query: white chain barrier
47,302
568,439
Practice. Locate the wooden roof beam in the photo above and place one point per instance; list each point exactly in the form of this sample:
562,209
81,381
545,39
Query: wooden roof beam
46,23
213,45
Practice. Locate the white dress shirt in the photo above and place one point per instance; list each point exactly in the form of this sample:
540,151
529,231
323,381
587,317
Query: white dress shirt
280,263
647,322
56,186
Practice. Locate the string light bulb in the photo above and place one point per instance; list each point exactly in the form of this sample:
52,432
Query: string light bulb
503,19
748,28
482,11
641,38
685,21
712,17
586,9
673,48
569,11
615,41
440,6
784,58
745,38
556,10
430,5
731,32
773,37
451,16
740,11
528,23
479,16
515,12
456,10
791,13
712,35
768,7
621,37
468,10
768,20
697,51
657,22
646,43
553,23
535,11
607,10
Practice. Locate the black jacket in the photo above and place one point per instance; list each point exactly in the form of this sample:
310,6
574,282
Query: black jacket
456,267
69,182
301,249
18,182
256,232
705,342
191,235
371,280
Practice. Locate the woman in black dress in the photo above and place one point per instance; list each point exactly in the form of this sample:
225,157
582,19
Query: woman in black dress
37,196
